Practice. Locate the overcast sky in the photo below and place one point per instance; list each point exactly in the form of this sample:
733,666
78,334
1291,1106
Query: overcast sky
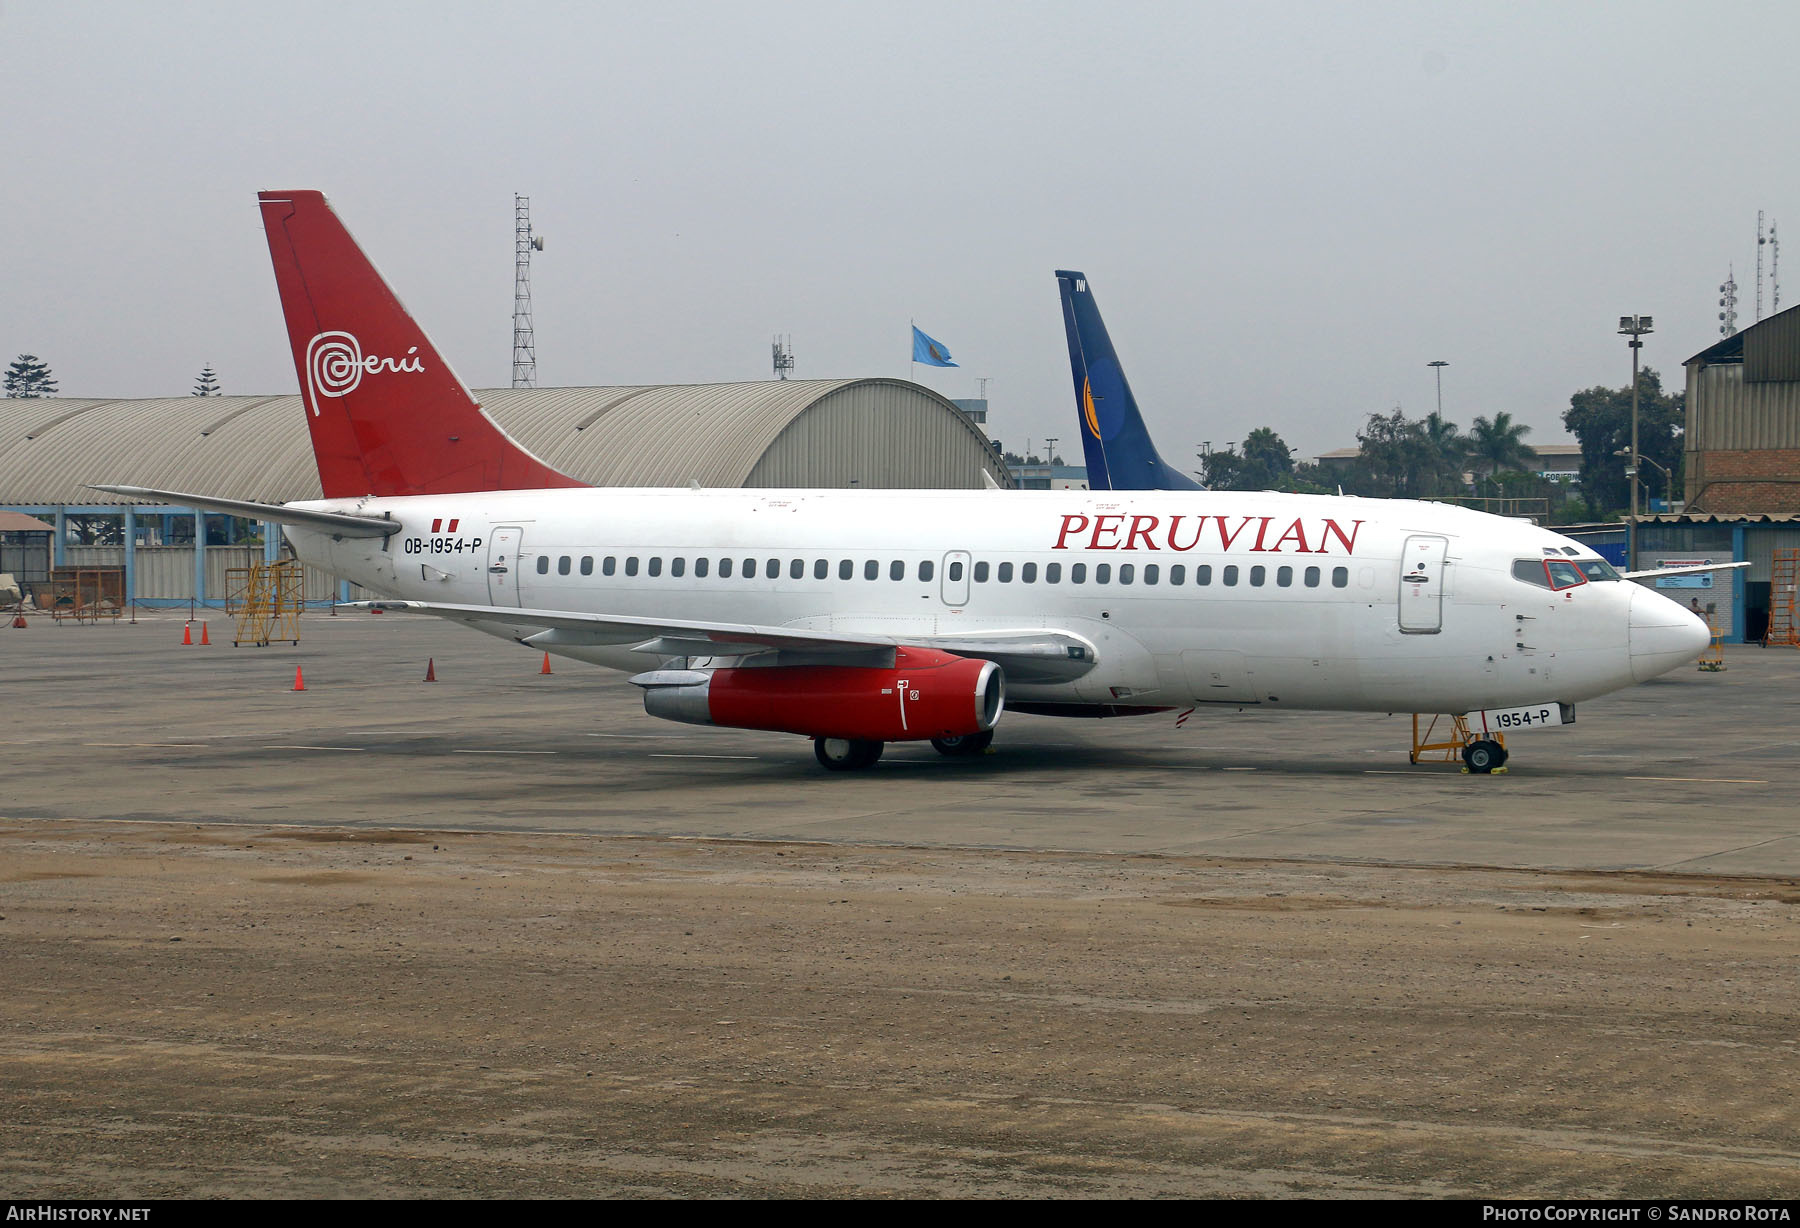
1285,210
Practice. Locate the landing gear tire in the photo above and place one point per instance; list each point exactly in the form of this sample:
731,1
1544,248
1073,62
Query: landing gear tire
846,754
964,744
1484,756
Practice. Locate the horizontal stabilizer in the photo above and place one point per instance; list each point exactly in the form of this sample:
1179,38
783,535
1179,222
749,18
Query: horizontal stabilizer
340,524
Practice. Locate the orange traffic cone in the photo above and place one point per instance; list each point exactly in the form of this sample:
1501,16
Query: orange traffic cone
299,679
203,638
546,668
19,621
187,633
430,669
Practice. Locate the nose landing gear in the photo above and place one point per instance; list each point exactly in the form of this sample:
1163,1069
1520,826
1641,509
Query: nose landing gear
1484,756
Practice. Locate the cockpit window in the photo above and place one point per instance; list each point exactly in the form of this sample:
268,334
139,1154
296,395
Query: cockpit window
1531,571
1570,551
1597,569
1563,574
1557,573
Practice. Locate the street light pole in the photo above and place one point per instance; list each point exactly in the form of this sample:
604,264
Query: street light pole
1634,327
1439,366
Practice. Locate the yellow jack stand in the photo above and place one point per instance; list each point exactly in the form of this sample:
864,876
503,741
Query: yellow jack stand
1425,750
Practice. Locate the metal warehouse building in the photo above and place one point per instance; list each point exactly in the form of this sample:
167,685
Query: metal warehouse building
877,433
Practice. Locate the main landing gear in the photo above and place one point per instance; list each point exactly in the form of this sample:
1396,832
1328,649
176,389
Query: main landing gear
846,754
963,744
854,755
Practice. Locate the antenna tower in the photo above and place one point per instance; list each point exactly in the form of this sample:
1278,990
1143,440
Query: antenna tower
1760,240
783,350
1728,304
1774,270
524,342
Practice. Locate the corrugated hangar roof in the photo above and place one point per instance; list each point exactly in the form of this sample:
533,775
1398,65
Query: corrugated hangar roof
875,433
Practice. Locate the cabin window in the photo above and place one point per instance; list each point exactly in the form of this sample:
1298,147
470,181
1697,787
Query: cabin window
1028,573
543,564
872,571
1126,572
981,573
1284,576
1077,573
1258,574
772,569
1177,573
562,565
609,565
631,564
846,570
926,570
1203,574
1340,577
700,566
821,569
749,569
1052,573
655,567
955,570
677,567
796,569
1151,571
724,569
897,570
1102,573
1230,576
1312,577
1005,573
587,564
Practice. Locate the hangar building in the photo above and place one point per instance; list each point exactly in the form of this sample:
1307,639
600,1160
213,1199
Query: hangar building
876,433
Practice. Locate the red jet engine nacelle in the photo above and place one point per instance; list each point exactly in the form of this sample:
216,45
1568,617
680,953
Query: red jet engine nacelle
924,694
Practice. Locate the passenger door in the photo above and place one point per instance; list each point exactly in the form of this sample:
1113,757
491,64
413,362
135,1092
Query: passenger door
1422,585
503,565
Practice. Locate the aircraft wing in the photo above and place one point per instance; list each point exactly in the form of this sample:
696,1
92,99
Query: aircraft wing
1034,654
1684,570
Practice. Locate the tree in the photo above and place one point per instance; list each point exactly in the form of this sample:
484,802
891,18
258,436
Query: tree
1499,445
1600,419
1266,463
29,376
1393,457
208,383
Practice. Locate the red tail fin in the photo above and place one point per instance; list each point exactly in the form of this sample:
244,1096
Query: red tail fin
388,415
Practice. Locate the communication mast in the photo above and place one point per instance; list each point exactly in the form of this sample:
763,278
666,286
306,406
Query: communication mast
1774,270
1728,304
524,342
1760,241
783,350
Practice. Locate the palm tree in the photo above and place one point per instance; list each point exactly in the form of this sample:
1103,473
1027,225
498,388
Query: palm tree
1447,450
1499,444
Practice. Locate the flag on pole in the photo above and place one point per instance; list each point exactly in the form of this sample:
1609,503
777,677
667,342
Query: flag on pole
928,351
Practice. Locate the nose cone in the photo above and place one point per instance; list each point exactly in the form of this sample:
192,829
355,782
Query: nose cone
1663,635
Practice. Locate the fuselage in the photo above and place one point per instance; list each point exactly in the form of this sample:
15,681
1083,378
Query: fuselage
1273,600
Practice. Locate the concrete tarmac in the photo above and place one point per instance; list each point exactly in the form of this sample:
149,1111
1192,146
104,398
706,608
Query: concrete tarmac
503,934
1691,772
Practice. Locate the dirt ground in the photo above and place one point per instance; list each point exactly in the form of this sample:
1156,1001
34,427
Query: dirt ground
230,1011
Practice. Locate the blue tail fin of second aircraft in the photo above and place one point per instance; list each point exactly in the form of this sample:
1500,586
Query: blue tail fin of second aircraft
1120,454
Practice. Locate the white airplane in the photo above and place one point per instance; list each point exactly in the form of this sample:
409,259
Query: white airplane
862,617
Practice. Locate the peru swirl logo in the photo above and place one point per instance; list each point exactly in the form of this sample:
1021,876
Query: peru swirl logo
335,365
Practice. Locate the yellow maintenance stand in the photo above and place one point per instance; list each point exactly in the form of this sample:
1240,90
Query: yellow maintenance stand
1456,741
265,598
